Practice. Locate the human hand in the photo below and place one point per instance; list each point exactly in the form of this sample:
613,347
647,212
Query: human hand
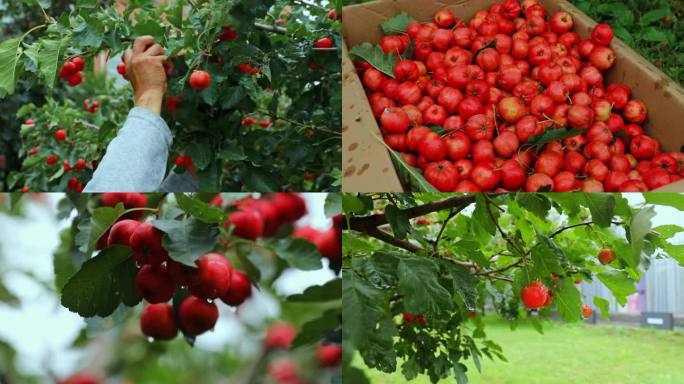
145,70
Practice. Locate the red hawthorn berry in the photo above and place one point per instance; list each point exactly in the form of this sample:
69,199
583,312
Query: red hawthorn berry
25,188
279,335
228,33
265,123
197,315
146,243
290,206
79,63
535,295
172,103
249,121
200,80
586,311
60,135
75,79
181,273
329,355
121,232
155,284
67,70
157,321
240,289
246,68
51,160
325,42
248,224
66,166
121,68
212,278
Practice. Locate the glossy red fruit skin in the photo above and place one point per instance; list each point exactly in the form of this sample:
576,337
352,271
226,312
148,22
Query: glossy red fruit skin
433,148
602,34
60,135
513,175
291,206
586,311
534,296
248,224
329,355
406,70
200,80
121,232
606,255
643,147
212,278
485,176
458,145
538,181
442,175
196,315
324,42
240,289
75,79
656,178
146,243
158,321
155,284
279,336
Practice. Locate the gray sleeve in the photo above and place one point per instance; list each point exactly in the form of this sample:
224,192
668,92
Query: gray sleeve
136,159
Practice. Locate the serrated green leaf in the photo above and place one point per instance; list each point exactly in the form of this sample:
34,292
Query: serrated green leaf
187,240
299,253
375,56
619,284
9,56
199,209
419,285
332,290
333,204
398,221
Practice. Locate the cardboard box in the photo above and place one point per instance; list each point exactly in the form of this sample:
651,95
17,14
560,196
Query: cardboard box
367,166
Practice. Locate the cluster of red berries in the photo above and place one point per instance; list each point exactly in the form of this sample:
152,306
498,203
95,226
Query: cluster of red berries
248,69
91,107
502,78
228,34
249,120
71,71
184,161
410,318
284,370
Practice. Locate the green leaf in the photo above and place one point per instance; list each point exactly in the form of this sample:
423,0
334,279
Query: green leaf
199,209
602,208
379,269
654,35
9,56
619,284
332,290
534,202
568,301
352,204
419,285
187,240
551,135
602,305
90,231
313,330
232,151
397,24
62,261
201,153
481,225
675,200
410,175
102,283
299,253
367,323
465,284
667,231
398,221
654,15
49,58
260,180
375,56
333,204
639,227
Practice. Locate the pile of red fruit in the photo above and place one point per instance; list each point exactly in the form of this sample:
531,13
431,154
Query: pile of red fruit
71,71
506,76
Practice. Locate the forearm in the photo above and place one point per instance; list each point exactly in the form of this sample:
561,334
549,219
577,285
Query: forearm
136,159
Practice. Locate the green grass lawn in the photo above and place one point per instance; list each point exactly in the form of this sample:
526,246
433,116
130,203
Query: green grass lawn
573,353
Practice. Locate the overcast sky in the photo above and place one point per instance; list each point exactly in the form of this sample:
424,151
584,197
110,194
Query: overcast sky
41,330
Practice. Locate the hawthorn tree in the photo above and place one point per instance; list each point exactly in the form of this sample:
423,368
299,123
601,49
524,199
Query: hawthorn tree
269,120
189,257
420,271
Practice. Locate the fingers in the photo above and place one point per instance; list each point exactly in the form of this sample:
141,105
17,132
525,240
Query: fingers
127,56
155,50
142,43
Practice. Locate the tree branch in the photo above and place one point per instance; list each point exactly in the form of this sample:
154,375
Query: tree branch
452,214
502,269
362,223
387,238
496,222
578,225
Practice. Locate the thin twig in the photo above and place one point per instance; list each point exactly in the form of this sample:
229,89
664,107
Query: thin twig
502,269
579,225
501,231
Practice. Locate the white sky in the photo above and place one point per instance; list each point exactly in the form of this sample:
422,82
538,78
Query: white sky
41,330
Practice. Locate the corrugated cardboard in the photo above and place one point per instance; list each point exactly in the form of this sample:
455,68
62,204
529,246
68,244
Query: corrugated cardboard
366,162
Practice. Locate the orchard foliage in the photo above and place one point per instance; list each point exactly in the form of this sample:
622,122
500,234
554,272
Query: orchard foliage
100,280
421,270
291,83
